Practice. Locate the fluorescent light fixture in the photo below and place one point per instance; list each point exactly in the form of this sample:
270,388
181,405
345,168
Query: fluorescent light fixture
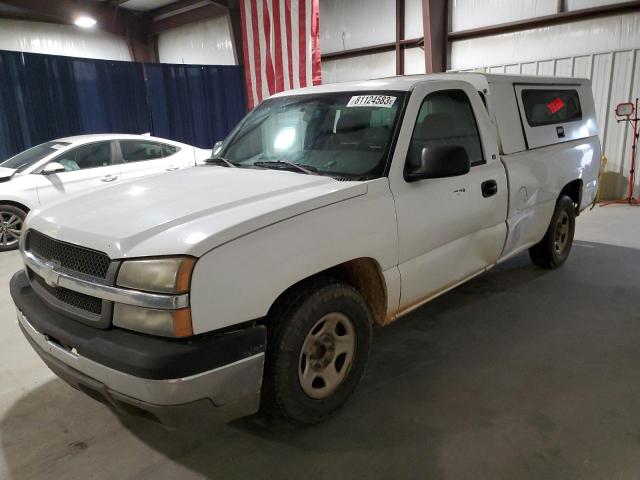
85,22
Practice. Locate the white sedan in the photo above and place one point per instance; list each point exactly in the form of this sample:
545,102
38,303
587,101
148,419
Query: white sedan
69,165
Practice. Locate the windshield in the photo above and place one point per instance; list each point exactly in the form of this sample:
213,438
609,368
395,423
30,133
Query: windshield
29,157
339,134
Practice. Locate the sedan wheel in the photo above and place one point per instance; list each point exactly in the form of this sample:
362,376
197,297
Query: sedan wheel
11,219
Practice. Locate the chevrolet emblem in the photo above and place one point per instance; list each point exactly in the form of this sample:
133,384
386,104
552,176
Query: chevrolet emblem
49,274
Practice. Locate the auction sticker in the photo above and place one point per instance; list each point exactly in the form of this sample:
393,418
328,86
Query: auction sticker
385,101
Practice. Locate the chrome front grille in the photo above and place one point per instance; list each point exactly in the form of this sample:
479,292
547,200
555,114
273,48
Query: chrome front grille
70,257
78,262
77,300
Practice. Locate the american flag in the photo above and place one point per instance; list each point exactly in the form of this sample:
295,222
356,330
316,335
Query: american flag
281,46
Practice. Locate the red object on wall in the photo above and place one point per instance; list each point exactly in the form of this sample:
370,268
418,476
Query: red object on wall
555,105
281,46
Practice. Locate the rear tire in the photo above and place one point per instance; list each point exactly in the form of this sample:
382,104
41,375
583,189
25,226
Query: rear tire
11,219
553,250
317,350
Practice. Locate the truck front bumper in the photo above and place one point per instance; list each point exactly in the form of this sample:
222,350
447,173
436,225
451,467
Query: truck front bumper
140,374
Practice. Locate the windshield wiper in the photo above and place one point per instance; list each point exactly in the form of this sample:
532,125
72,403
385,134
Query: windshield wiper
219,160
283,164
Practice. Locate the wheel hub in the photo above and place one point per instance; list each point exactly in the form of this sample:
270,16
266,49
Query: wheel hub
323,352
327,354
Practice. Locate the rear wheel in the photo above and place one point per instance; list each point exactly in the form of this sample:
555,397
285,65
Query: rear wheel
553,250
319,340
11,219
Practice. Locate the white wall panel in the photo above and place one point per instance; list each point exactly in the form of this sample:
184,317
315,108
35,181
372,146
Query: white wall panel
54,39
414,61
348,24
601,87
202,43
615,133
546,68
585,37
529,68
634,93
413,19
582,66
512,69
564,67
580,4
480,13
363,67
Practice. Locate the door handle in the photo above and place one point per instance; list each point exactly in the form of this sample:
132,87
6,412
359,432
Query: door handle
172,168
489,188
109,178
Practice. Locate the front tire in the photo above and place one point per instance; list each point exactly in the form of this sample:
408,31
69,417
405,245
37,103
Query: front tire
553,250
318,347
11,219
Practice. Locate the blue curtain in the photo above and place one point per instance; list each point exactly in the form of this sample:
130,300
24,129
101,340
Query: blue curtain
195,104
43,97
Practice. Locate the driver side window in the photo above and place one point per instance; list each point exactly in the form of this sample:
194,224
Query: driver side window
92,155
446,118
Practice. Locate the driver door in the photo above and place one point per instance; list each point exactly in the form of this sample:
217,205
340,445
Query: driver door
448,228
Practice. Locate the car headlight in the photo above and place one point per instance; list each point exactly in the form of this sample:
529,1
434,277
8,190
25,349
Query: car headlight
158,275
166,275
166,323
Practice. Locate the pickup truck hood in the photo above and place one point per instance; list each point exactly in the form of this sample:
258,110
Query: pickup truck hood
189,211
6,173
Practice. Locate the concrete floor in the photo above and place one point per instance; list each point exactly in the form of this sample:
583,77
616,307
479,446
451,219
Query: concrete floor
520,374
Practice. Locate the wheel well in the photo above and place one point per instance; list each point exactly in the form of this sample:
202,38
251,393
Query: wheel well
22,207
574,191
364,275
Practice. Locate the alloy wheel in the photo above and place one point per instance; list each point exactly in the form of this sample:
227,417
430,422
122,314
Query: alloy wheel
10,229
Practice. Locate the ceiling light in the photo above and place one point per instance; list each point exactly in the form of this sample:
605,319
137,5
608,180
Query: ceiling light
85,22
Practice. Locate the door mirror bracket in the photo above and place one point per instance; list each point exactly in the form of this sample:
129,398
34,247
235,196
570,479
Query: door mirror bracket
438,161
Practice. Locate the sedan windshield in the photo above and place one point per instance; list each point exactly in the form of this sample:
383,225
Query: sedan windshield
346,134
29,157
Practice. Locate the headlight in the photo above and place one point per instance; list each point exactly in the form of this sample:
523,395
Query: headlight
158,275
167,323
165,275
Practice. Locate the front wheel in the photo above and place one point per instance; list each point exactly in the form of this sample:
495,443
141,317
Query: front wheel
11,219
553,250
318,346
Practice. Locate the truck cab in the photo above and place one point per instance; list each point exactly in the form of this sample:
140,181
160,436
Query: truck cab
256,280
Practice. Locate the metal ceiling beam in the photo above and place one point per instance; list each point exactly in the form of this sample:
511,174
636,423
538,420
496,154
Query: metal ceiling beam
547,20
186,15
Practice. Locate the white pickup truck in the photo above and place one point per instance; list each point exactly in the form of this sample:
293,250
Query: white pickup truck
256,280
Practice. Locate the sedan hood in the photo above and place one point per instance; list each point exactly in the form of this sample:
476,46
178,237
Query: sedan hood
6,173
189,211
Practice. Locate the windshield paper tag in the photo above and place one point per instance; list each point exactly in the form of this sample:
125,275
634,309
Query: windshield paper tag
385,101
57,146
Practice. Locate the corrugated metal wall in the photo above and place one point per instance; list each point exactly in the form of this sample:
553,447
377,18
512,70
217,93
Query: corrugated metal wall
615,78
606,50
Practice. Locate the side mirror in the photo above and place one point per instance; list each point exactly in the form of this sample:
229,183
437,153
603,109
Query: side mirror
53,167
216,148
438,161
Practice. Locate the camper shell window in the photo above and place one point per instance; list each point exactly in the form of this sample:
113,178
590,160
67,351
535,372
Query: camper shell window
548,107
